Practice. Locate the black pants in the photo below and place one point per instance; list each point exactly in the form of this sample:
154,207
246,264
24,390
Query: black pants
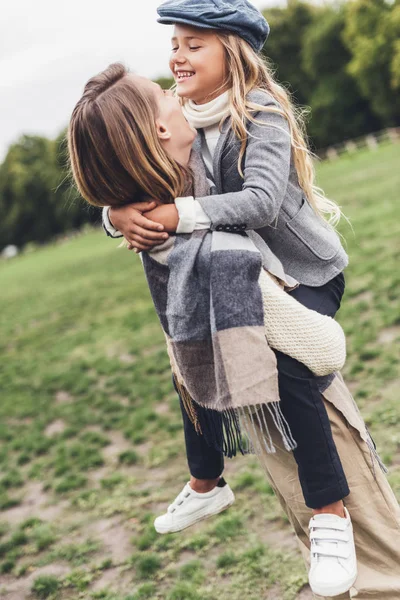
320,471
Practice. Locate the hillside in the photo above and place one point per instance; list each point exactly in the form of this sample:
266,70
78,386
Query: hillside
91,441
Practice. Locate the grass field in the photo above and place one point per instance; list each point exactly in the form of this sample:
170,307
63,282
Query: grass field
91,442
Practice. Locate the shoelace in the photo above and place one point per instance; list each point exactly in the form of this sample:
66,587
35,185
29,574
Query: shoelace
329,538
179,500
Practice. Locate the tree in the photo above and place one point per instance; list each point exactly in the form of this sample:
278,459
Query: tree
339,111
165,82
33,204
372,32
283,48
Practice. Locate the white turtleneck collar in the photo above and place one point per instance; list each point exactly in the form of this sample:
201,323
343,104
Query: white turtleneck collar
205,115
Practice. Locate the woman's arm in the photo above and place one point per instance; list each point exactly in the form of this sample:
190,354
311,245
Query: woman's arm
315,340
132,222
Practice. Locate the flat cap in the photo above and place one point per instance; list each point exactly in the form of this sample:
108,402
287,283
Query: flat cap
237,16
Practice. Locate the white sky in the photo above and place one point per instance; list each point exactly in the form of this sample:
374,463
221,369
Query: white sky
49,49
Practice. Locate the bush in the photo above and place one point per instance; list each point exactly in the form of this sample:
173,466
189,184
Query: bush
45,585
147,565
129,457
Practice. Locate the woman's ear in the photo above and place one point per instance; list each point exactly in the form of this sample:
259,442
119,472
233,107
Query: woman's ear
162,131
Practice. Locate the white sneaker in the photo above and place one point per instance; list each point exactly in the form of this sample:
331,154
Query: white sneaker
191,507
333,555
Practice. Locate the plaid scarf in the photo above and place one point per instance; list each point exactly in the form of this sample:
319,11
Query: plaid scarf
205,288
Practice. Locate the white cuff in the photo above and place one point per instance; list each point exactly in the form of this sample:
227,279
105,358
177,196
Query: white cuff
187,214
191,215
202,219
110,229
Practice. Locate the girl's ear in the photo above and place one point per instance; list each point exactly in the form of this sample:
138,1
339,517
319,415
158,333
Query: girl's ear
162,131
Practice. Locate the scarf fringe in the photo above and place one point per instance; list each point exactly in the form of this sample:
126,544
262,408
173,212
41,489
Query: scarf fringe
254,424
188,405
222,431
371,445
233,430
374,455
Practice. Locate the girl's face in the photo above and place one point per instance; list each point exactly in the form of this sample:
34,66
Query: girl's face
197,63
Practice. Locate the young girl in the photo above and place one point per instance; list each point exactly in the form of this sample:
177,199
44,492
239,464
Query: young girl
255,151
126,138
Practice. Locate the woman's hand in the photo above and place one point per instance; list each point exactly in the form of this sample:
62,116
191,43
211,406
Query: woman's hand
137,228
164,214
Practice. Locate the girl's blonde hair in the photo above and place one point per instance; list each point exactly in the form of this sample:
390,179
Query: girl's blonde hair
115,153
247,71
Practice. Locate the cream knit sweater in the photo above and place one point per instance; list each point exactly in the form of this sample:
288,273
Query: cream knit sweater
315,340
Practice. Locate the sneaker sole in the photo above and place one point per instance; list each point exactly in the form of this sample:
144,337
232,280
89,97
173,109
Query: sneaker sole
189,522
335,590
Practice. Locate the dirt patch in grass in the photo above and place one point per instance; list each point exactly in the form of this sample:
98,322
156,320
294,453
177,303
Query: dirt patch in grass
389,335
117,578
98,474
306,594
118,444
63,397
127,359
55,428
144,449
115,535
123,400
162,408
20,589
151,350
36,503
278,537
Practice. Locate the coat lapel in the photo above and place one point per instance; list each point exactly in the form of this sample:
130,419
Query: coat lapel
219,150
218,154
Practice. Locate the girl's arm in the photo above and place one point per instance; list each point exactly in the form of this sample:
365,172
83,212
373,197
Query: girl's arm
266,175
315,340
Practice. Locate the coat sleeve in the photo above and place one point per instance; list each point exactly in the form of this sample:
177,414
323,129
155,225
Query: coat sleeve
107,225
266,176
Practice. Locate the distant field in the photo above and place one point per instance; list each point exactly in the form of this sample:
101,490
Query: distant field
91,442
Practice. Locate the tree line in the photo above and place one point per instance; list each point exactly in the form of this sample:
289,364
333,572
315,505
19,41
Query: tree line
342,61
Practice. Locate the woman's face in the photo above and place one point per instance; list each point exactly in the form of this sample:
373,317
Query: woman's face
172,126
197,63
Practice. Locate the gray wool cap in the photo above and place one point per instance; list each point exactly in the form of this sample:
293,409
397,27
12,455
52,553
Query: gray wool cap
236,16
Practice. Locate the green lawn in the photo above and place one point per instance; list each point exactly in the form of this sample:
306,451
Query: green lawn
91,442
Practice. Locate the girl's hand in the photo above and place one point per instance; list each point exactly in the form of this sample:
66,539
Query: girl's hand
165,214
140,232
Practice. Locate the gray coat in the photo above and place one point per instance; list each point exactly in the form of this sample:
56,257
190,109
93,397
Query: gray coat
269,200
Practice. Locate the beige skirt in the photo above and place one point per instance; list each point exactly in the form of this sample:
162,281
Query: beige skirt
374,510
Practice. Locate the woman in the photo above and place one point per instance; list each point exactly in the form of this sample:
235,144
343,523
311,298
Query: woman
253,144
127,137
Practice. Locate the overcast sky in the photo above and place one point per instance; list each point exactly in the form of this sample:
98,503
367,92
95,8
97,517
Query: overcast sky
49,49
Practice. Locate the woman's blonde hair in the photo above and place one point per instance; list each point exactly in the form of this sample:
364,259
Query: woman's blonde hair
115,153
247,71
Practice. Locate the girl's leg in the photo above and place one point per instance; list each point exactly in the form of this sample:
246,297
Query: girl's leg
373,507
206,464
320,470
207,493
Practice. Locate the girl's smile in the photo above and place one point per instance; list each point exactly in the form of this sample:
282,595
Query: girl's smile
181,76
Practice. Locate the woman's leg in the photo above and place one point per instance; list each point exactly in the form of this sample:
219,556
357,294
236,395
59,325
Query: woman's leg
319,467
373,507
